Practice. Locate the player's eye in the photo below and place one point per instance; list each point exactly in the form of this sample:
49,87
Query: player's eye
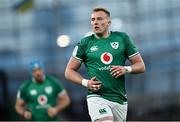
99,18
92,19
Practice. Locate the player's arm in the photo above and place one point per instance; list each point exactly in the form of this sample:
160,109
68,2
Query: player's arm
137,66
20,108
71,73
63,101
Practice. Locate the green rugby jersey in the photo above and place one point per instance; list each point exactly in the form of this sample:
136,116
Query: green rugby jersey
39,96
99,54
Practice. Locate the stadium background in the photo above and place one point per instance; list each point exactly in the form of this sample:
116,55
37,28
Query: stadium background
29,29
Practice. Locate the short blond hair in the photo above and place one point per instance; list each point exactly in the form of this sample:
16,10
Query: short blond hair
102,9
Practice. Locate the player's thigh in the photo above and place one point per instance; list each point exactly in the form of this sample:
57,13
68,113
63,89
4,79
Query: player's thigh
120,112
98,109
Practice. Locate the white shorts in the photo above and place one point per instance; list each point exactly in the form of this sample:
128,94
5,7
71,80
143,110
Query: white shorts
99,107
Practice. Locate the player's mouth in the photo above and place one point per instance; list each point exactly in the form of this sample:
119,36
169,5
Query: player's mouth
96,28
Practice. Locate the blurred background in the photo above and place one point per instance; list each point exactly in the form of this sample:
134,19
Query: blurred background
49,29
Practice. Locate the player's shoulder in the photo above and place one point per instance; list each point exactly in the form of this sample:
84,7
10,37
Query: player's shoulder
54,81
87,39
122,35
119,33
52,78
25,84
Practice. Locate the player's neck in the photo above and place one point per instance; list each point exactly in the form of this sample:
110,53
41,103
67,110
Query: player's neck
39,80
102,35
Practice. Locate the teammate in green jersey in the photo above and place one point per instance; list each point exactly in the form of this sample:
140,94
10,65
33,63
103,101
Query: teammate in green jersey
41,97
104,54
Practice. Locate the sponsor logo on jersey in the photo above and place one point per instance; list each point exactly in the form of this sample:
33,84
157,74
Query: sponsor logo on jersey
115,45
105,68
106,58
94,48
42,99
33,92
48,89
43,106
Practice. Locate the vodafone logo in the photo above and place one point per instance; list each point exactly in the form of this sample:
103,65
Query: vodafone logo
106,58
42,99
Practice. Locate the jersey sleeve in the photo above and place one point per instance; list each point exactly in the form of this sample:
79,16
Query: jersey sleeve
58,86
131,49
79,50
21,93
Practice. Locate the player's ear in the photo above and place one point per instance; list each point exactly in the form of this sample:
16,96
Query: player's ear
109,22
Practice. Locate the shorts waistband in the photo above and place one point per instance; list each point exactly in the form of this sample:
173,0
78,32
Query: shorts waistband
93,95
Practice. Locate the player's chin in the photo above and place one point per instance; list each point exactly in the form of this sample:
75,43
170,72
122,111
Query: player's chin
39,79
98,33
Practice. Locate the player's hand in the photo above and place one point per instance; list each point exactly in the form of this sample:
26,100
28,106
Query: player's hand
94,84
52,111
117,71
27,115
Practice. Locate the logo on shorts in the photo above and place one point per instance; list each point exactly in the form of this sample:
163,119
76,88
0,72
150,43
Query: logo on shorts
102,111
106,58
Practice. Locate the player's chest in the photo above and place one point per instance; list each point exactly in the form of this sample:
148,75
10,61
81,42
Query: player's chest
104,49
41,92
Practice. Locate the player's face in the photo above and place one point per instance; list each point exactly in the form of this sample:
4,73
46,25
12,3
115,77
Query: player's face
100,23
38,74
